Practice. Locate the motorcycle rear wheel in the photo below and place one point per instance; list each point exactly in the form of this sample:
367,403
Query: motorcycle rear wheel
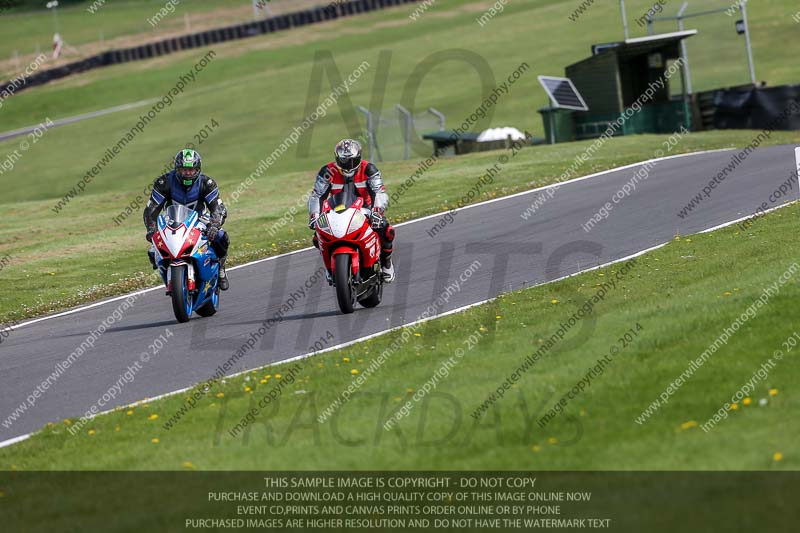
375,296
345,293
210,307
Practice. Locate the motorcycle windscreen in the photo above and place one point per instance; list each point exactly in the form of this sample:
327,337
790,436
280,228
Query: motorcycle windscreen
177,214
343,199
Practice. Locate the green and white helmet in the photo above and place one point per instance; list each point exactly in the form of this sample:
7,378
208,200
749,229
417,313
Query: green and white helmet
188,165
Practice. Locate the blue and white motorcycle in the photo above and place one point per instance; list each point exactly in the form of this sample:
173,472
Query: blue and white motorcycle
187,262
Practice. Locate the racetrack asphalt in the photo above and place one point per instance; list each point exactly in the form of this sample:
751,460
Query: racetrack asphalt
512,253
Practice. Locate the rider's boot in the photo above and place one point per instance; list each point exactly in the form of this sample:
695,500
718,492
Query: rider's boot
387,268
223,276
152,255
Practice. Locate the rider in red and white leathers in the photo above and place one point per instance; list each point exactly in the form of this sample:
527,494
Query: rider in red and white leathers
348,167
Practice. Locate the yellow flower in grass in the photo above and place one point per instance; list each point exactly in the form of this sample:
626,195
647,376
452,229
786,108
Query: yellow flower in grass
498,317
263,381
747,401
129,412
777,456
220,395
773,392
552,440
91,432
346,359
734,406
247,389
68,422
153,417
554,301
155,440
536,448
354,371
418,334
189,465
409,390
688,425
277,376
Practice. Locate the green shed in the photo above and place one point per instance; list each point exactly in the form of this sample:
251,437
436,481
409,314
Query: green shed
618,75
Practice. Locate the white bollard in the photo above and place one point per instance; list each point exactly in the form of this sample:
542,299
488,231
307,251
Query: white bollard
797,160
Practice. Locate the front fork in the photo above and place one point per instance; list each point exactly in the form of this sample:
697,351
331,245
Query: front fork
190,276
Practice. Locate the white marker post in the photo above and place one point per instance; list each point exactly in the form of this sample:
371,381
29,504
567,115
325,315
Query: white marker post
797,160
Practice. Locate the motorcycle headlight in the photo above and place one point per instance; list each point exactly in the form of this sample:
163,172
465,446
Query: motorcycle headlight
356,222
322,224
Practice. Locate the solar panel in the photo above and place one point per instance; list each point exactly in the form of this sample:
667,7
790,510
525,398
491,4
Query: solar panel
563,93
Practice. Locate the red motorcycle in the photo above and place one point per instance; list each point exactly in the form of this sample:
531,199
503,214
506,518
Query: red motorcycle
351,251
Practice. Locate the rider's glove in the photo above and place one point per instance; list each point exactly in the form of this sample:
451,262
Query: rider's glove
212,231
376,218
312,220
151,230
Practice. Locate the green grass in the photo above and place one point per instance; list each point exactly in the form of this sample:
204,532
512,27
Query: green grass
682,295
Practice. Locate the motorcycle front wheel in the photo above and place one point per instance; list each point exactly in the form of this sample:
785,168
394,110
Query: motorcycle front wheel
345,293
181,299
